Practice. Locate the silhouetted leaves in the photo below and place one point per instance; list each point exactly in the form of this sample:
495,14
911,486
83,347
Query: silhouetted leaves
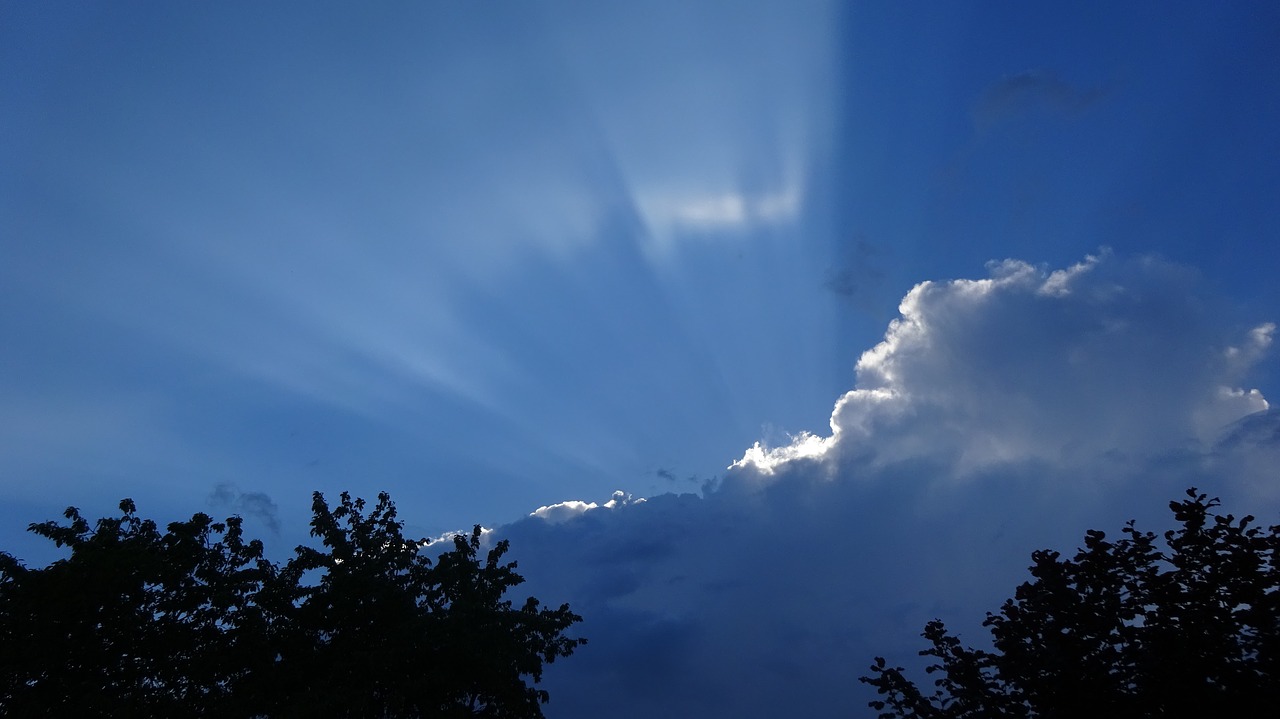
195,622
1124,628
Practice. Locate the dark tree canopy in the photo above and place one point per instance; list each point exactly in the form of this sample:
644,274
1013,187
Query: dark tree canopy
1132,627
195,622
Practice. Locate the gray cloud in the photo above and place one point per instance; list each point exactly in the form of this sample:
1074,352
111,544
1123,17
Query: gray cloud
227,497
860,279
1028,92
671,476
998,416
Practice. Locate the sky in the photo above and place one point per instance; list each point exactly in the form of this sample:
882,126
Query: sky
766,331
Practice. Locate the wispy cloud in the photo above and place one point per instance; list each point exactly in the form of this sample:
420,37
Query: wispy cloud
860,278
1022,93
670,214
728,210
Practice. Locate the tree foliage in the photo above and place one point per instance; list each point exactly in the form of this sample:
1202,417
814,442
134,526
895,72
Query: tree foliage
195,622
1130,627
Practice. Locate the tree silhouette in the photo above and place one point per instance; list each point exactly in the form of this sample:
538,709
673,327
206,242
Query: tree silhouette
195,622
1124,628
134,622
385,632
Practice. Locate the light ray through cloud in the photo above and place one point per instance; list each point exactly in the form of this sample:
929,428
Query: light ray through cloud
523,264
449,235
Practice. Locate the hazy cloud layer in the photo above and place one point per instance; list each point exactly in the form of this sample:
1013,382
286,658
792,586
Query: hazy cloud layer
998,415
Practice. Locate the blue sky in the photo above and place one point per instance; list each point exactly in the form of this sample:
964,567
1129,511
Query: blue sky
492,257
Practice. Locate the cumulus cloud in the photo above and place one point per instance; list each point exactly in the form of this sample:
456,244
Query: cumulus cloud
997,416
227,497
1107,356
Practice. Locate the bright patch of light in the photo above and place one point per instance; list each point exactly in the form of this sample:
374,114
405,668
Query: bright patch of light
446,539
564,511
1058,283
766,461
673,212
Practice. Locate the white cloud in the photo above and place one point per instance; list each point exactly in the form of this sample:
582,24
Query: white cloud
998,416
564,511
803,446
1107,356
670,213
444,541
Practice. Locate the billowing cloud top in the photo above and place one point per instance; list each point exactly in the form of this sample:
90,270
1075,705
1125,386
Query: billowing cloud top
998,416
1107,356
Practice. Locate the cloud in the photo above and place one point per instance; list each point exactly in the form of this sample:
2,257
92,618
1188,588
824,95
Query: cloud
998,415
226,496
1028,365
668,213
564,511
1028,92
861,279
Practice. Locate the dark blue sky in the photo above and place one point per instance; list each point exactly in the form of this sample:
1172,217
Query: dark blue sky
492,257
